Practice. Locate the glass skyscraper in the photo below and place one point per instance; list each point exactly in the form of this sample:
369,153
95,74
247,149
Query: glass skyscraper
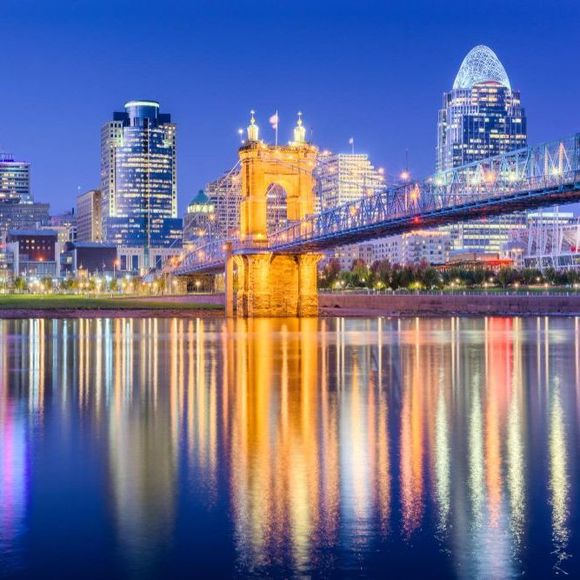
139,179
481,117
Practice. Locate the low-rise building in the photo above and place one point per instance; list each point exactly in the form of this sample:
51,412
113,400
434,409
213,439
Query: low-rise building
131,260
35,253
89,257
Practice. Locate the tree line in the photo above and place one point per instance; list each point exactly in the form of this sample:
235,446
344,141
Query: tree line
382,275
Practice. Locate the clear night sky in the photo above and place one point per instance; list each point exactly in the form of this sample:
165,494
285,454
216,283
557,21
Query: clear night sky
372,69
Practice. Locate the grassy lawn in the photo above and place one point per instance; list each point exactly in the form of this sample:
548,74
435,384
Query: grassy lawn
65,302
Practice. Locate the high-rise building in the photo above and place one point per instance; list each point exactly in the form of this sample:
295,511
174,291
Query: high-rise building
139,179
17,208
344,177
14,180
226,194
481,117
341,178
89,216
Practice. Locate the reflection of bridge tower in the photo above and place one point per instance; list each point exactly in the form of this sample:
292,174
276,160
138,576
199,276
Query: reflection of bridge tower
271,283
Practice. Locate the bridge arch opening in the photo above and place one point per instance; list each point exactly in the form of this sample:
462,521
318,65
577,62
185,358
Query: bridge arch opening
276,207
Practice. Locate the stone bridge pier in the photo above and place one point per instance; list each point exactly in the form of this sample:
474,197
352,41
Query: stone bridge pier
277,285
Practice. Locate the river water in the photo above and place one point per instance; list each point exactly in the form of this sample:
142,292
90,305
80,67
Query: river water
333,447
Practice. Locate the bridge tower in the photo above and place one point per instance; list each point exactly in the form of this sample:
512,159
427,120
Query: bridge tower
273,283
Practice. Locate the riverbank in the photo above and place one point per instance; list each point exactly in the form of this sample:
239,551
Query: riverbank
65,306
429,305
351,305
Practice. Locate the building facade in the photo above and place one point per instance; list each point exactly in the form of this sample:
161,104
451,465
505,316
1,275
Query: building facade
344,177
89,258
36,253
17,216
139,179
481,116
429,246
89,216
14,180
65,224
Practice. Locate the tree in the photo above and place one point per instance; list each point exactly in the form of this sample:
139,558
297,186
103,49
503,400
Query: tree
506,276
330,273
20,284
430,278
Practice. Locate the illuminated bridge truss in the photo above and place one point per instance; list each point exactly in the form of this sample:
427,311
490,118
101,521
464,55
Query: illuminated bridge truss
528,178
553,245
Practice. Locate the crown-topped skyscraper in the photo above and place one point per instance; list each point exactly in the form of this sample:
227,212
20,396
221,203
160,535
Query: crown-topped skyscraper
481,117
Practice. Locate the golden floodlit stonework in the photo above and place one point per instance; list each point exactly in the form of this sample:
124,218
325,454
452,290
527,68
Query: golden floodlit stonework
268,283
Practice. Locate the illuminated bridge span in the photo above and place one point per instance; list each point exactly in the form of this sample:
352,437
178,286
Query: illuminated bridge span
528,178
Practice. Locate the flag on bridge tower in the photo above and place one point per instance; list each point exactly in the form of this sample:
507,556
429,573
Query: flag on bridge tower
275,121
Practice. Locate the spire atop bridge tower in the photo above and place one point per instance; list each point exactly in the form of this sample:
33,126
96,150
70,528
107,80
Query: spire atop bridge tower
253,129
299,131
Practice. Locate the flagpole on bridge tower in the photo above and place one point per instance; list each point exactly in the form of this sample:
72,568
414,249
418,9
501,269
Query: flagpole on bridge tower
275,121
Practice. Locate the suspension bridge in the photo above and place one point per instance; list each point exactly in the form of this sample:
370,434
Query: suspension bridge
524,179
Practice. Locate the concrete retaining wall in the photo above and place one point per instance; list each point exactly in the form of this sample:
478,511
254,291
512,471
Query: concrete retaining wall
427,305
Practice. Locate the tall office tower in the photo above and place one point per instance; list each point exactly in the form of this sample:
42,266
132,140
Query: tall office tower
344,177
14,180
226,195
481,117
89,216
139,179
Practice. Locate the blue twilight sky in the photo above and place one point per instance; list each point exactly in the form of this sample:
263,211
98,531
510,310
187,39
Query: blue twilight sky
370,69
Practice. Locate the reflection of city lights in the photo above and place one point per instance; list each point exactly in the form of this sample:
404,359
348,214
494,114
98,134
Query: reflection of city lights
559,485
297,423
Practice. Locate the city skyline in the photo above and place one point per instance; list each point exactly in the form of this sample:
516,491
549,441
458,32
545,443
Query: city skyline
209,115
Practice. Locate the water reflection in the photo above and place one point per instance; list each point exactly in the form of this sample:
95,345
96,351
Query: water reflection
331,445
